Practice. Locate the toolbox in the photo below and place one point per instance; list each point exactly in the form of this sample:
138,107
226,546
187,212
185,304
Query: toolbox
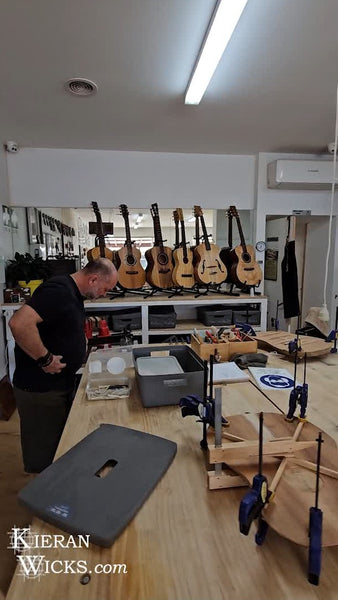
127,316
215,314
162,317
167,388
205,350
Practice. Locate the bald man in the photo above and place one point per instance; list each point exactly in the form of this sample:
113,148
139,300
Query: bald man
50,348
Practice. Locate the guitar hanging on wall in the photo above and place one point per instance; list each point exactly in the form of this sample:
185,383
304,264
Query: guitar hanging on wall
159,257
245,270
209,268
183,273
131,274
99,251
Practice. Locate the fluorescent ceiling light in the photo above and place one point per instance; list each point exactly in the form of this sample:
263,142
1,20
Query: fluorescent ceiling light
224,20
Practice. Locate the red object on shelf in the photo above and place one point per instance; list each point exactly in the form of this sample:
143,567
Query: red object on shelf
103,328
88,328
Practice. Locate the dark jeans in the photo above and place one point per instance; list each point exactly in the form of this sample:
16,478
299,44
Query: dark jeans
42,418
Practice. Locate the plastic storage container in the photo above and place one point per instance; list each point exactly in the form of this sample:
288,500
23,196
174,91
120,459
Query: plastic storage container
163,390
127,316
216,314
162,317
253,317
107,378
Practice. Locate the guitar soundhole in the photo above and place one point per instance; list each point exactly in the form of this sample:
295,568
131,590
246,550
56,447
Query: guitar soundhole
185,260
131,260
246,257
162,259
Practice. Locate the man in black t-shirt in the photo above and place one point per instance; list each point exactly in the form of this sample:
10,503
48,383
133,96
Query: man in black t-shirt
50,348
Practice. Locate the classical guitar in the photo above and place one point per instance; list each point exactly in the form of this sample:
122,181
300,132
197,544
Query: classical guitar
183,273
225,253
131,274
245,270
159,258
208,267
99,251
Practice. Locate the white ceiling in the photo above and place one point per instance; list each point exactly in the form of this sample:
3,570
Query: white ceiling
274,89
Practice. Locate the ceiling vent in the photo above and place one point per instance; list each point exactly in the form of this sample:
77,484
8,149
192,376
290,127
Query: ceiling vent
81,87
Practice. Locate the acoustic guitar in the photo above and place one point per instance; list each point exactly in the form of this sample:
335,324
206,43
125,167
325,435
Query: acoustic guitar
99,251
208,267
131,274
159,258
225,253
183,273
245,270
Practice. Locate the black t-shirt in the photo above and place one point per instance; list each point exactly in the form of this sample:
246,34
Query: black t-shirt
60,305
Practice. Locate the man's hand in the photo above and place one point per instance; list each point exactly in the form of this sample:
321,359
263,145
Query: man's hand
55,366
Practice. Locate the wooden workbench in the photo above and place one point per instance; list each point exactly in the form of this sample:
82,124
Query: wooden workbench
184,543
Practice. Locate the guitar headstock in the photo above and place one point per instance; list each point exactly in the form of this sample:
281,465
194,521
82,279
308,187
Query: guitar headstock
176,217
232,212
154,210
197,211
180,214
95,208
124,210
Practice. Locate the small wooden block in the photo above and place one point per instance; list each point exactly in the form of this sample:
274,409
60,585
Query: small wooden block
226,479
159,353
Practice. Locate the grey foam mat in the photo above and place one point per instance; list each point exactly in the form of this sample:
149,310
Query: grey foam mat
71,496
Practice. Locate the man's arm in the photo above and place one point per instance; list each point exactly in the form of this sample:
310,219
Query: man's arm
23,325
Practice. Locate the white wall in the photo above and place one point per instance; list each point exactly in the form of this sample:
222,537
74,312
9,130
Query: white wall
283,202
61,177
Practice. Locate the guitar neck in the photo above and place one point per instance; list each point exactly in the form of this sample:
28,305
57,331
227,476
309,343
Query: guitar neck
205,233
184,242
177,234
230,231
197,230
157,229
128,234
99,234
240,231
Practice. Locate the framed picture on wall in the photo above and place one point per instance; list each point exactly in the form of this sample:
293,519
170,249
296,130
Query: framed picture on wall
33,225
271,264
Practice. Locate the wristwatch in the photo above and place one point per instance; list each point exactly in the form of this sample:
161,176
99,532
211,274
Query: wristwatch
45,360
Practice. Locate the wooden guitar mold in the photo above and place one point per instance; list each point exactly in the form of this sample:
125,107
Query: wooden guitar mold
288,512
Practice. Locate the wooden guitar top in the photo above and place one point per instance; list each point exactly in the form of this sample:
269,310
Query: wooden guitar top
288,512
279,340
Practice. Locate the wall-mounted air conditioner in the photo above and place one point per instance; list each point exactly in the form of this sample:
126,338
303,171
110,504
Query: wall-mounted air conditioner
300,174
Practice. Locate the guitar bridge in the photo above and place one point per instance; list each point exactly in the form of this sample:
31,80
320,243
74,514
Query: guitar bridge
164,271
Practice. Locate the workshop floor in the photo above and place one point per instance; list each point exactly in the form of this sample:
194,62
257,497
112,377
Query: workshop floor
12,479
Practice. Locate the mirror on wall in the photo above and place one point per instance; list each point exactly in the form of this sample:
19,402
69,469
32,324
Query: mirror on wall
64,232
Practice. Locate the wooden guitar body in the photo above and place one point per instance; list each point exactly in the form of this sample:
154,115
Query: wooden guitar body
131,274
98,252
159,267
208,265
226,258
183,273
245,270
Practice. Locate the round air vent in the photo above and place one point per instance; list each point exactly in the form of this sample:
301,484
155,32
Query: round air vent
81,87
